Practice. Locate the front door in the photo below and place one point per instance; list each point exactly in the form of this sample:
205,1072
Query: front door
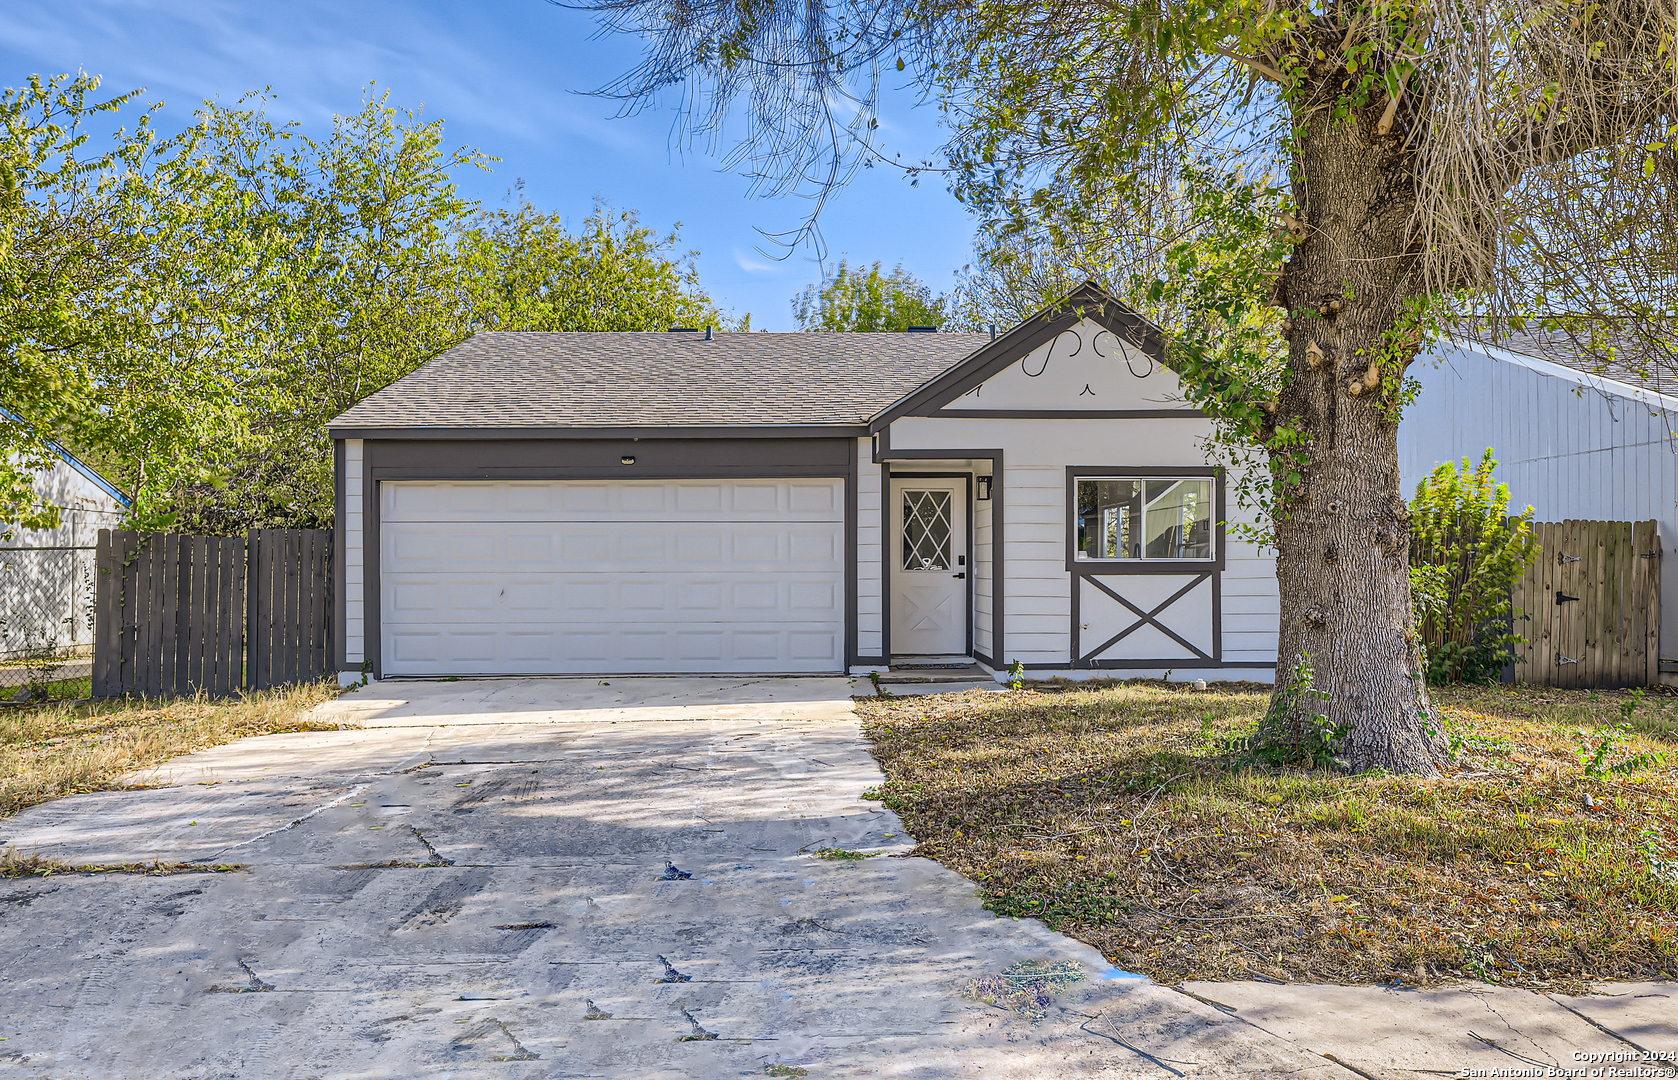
928,553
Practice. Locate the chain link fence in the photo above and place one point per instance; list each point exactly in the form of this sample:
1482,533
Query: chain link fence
46,615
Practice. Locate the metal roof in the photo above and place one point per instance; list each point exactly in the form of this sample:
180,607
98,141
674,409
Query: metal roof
77,464
502,380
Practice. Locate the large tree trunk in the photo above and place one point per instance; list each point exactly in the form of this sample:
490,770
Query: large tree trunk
1343,532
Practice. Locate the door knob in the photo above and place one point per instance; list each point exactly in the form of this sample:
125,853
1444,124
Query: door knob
958,575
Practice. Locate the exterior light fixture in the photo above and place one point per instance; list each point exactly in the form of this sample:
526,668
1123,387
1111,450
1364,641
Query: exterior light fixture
984,488
628,459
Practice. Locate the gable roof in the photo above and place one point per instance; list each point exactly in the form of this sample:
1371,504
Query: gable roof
502,382
76,463
1087,301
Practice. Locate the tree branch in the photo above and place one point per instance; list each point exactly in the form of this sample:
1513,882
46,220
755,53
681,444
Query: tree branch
1256,65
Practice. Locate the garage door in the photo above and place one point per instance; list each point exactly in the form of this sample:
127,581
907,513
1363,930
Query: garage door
611,577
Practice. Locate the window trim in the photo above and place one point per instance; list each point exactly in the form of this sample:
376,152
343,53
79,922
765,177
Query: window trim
1098,567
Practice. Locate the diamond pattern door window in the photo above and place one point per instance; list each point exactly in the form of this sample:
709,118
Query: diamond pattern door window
926,530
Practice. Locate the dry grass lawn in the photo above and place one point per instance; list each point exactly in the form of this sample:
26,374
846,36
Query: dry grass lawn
1118,814
60,748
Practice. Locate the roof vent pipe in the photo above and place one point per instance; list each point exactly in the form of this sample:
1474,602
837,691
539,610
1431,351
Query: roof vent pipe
993,331
708,336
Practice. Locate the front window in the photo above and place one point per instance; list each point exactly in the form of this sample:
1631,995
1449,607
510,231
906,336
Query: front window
1144,519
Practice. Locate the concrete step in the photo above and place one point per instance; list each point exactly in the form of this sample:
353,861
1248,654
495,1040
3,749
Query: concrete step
923,675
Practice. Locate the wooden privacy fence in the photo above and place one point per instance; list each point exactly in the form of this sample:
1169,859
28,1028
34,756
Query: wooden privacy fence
178,614
1593,606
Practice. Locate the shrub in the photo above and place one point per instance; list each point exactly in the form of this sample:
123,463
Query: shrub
1466,553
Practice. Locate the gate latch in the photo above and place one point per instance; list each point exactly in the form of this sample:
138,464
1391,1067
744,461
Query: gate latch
1562,661
1564,558
1562,598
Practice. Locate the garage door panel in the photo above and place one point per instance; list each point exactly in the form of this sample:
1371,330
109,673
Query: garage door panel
525,547
470,501
569,577
525,599
489,650
814,498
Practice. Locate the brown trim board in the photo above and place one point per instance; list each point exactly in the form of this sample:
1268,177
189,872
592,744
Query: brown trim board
947,413
407,459
1088,300
340,536
884,455
971,575
744,431
1095,571
1102,567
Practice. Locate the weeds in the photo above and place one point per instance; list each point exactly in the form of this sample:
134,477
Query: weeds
1611,741
834,854
13,865
1293,732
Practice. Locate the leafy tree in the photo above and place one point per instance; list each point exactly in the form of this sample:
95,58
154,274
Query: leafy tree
242,284
1436,164
62,244
1466,553
848,300
528,272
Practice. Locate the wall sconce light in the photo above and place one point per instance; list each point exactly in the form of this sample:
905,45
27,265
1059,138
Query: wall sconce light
628,459
984,488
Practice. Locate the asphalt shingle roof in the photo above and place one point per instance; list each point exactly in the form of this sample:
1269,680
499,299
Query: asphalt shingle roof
1616,357
519,380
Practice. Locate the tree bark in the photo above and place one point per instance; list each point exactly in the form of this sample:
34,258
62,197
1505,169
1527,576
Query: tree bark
1342,532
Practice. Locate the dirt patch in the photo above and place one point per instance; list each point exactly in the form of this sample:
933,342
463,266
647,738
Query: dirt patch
1117,814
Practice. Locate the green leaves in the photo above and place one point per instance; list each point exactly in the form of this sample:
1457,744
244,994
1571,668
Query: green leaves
848,300
1465,554
189,313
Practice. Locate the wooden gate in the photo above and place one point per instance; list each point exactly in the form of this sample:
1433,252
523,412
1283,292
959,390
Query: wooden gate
1593,606
286,635
179,614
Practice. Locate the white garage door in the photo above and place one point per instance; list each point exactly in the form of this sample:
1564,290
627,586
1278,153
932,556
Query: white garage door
611,577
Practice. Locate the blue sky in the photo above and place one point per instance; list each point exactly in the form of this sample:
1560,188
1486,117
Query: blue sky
504,76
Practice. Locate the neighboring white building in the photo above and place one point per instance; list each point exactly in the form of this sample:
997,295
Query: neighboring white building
558,503
46,575
1569,443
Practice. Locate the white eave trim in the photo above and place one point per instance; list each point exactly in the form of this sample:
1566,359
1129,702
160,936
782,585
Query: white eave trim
1600,383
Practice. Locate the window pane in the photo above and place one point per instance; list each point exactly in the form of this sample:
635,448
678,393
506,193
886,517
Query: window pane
1179,519
1109,513
926,530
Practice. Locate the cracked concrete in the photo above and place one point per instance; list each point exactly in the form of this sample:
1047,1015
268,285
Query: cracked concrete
522,878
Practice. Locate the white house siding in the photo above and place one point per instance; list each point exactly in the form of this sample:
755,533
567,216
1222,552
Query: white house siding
46,575
1569,445
1251,604
355,565
1037,586
984,576
869,589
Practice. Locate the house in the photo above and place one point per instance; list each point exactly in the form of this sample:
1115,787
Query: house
46,575
1572,442
614,503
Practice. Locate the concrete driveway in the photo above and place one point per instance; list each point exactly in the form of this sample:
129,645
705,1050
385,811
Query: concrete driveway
566,878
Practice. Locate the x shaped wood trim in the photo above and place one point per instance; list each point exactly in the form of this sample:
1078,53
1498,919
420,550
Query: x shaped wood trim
1146,618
